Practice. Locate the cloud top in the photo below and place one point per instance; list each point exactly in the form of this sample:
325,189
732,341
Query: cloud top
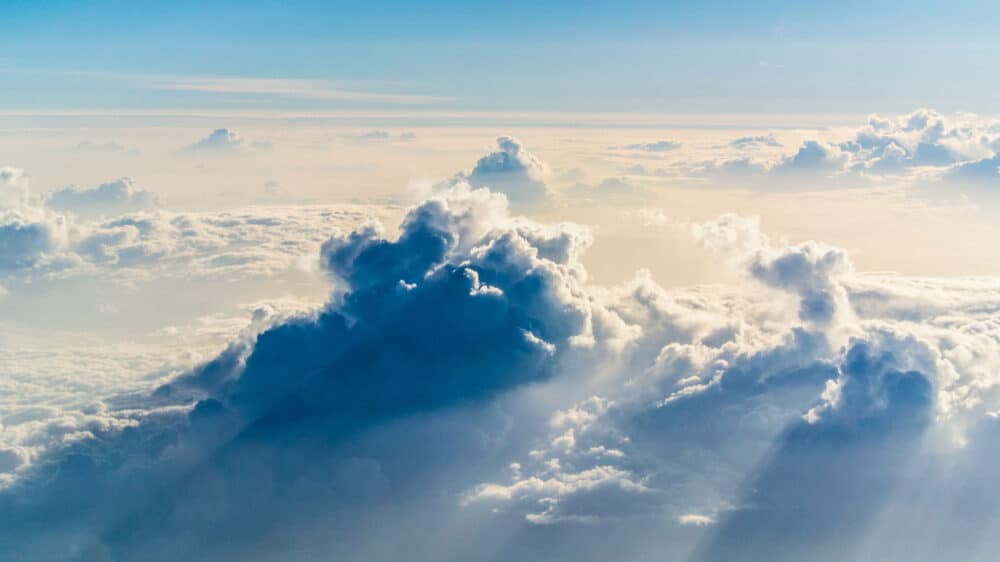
513,171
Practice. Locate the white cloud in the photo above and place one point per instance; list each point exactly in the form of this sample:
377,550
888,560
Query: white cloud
113,198
29,232
657,146
513,171
219,140
696,519
914,147
756,141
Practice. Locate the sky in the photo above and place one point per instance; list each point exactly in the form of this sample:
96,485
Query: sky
359,281
721,57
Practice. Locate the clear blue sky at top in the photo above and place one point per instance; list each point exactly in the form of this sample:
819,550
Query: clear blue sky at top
527,56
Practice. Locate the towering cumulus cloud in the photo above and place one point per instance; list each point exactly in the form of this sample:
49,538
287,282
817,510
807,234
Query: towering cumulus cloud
513,171
466,394
464,305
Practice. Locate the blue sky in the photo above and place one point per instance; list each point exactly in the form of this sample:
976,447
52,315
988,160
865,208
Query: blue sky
723,57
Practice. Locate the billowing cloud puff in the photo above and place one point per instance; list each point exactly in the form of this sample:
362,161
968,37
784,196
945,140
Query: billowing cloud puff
921,138
812,271
28,231
924,138
113,198
219,140
921,145
513,171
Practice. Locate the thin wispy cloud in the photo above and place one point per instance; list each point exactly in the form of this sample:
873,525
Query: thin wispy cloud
283,87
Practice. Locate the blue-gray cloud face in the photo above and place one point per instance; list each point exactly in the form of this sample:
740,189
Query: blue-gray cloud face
985,171
816,496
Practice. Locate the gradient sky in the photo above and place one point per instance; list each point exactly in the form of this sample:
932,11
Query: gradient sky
775,56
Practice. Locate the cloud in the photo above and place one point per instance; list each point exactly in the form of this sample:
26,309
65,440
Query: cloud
475,309
658,146
716,393
513,171
696,519
744,167
219,140
373,135
23,244
113,198
844,464
813,271
922,146
229,245
89,146
960,147
814,164
590,486
640,170
115,233
813,156
465,377
379,135
616,189
29,232
922,138
756,141
985,171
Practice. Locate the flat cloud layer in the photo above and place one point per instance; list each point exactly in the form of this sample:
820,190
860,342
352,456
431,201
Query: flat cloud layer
467,393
